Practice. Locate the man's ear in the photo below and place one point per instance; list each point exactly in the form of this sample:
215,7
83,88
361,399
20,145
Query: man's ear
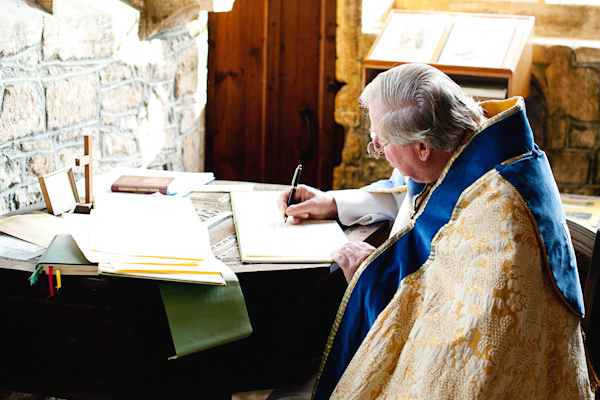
423,151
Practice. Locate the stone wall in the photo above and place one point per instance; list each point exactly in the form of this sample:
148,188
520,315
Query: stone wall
83,70
563,106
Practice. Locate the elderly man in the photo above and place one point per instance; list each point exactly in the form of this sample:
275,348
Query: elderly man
476,292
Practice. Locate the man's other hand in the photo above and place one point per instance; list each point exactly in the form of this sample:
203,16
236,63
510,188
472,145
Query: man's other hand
350,256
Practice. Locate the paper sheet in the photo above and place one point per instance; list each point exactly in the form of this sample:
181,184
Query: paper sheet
17,249
79,227
137,265
37,228
148,226
247,187
264,237
485,49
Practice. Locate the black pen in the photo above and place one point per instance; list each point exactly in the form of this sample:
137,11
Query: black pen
295,181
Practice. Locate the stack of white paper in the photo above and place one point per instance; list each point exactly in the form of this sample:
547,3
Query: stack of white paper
146,236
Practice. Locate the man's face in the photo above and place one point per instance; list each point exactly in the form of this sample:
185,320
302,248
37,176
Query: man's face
404,158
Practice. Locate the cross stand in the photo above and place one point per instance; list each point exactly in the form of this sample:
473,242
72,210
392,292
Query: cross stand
87,160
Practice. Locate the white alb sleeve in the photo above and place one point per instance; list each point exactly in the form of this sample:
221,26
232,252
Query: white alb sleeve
361,207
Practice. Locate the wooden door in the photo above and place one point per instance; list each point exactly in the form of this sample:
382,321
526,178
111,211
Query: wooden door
271,88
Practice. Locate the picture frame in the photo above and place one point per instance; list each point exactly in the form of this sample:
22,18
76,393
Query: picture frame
60,191
411,37
452,42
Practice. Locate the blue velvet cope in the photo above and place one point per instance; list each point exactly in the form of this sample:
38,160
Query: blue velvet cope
531,175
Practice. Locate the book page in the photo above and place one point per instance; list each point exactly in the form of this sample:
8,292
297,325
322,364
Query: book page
478,42
584,209
264,237
410,37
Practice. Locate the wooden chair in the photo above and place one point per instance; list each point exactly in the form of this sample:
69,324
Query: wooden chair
586,242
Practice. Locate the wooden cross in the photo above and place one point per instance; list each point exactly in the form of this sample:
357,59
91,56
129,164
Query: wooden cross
88,161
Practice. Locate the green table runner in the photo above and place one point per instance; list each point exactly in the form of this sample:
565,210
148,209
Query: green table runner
205,316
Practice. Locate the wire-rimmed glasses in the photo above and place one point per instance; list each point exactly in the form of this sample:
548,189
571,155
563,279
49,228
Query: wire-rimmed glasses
375,149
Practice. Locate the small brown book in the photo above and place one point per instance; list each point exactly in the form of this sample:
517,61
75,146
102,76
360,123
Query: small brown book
142,184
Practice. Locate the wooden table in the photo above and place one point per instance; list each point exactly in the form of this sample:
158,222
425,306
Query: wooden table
108,338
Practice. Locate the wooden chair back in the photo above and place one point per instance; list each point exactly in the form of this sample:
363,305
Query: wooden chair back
586,242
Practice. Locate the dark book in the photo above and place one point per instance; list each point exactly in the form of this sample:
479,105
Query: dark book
142,184
64,254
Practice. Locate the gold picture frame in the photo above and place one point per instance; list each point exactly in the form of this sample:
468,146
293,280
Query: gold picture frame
60,191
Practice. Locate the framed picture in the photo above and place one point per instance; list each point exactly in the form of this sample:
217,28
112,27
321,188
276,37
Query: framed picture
60,191
410,37
488,55
486,49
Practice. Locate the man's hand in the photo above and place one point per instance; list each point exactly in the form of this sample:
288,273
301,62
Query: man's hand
311,204
350,256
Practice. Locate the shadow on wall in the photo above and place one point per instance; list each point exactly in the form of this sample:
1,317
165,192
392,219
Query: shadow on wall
534,104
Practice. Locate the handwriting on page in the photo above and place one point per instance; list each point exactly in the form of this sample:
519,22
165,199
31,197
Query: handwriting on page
262,233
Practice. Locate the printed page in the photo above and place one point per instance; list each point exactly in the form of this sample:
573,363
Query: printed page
410,37
478,42
264,237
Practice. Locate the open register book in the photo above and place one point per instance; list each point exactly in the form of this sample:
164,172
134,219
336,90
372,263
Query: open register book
263,237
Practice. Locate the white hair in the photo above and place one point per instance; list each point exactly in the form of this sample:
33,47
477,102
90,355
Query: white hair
420,103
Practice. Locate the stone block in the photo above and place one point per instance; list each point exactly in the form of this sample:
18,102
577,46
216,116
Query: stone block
570,167
187,120
115,145
163,92
345,177
36,145
107,121
71,100
129,123
115,73
122,98
353,149
65,158
21,111
186,77
555,132
4,207
22,64
21,27
10,174
564,84
165,69
373,170
170,139
583,138
40,165
27,195
143,71
193,153
77,31
587,51
177,164
74,134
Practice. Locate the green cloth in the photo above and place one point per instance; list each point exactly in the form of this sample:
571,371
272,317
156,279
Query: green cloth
205,316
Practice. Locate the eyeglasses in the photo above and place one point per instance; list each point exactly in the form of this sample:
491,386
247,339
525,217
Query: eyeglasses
375,149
